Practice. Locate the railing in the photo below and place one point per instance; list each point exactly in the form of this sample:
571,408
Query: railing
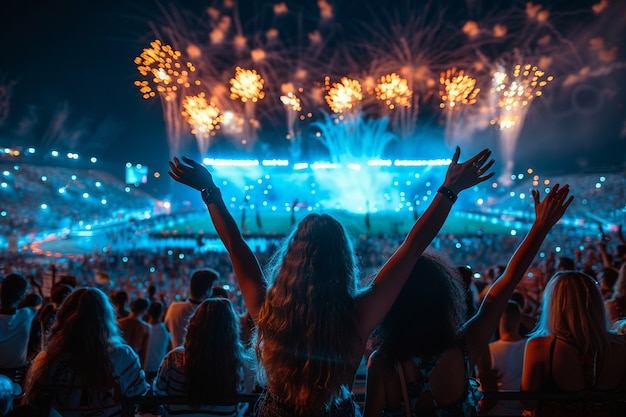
131,405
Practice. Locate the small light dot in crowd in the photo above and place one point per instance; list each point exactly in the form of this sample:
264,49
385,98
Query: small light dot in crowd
16,167
94,159
6,173
128,165
98,184
4,185
85,195
512,193
542,254
480,201
44,206
103,201
152,269
273,208
226,287
557,249
73,177
598,185
125,259
602,179
513,232
31,150
127,189
3,213
170,252
522,196
181,256
55,153
44,178
520,176
547,190
458,245
61,190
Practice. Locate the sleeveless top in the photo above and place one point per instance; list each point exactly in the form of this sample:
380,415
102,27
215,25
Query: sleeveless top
466,406
573,409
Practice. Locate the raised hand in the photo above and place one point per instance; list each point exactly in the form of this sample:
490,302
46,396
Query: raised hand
191,173
551,209
469,173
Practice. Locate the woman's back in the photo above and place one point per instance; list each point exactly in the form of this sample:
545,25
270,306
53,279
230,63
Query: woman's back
565,369
434,385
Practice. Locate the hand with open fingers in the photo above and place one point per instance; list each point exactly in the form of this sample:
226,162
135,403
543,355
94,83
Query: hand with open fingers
551,209
191,173
461,176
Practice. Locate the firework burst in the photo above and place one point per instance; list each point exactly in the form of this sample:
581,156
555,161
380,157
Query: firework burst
394,91
457,88
343,96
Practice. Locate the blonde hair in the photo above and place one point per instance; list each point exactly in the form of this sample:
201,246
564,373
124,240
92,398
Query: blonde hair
573,309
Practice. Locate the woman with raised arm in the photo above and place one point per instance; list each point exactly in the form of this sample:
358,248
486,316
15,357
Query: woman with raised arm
313,322
427,349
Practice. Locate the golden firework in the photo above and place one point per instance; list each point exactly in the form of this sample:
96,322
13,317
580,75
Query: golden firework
394,91
291,100
524,84
246,85
344,95
163,67
203,117
457,88
515,91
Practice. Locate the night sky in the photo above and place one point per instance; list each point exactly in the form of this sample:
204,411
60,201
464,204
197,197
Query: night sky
71,63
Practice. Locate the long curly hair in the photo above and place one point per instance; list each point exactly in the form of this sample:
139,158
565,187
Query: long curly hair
213,353
85,330
573,309
431,308
306,330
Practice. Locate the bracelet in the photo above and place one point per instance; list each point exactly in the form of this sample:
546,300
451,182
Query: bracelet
448,193
210,194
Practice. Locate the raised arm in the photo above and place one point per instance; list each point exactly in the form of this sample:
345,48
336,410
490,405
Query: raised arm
374,304
246,266
479,329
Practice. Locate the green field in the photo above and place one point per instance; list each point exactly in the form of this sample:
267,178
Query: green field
382,222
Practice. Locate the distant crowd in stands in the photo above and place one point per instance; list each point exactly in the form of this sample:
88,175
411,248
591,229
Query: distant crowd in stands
70,196
437,326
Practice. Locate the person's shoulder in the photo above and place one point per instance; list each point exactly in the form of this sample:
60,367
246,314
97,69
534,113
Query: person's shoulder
378,359
26,312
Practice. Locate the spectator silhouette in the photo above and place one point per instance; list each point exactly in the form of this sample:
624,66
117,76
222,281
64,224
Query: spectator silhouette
209,367
87,369
135,331
427,348
47,314
572,349
160,339
120,299
501,369
178,313
15,325
616,306
313,322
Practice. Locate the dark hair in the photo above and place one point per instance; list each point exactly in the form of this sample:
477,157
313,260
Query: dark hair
120,298
59,292
140,305
201,281
430,309
155,310
213,353
12,289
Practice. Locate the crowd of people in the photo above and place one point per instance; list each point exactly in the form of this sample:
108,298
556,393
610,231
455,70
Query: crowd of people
438,320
